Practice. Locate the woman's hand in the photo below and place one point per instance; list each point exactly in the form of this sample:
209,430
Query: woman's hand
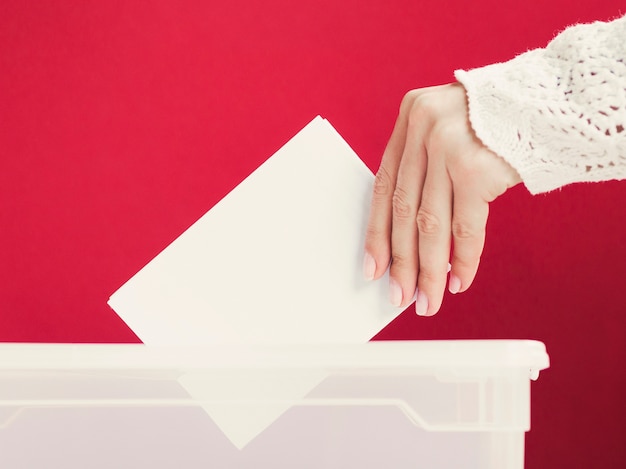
431,200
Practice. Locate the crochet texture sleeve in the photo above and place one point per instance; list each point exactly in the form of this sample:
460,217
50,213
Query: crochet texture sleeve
557,115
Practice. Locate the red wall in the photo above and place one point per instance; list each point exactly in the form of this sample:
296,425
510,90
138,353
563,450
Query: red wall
121,123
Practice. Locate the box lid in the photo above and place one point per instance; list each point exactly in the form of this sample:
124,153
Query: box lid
473,354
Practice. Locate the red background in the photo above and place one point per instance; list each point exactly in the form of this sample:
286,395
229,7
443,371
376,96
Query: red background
122,122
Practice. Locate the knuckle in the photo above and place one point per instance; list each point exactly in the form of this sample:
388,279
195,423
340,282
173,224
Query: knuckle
429,276
382,182
427,222
374,234
463,230
423,108
400,261
400,204
409,98
423,101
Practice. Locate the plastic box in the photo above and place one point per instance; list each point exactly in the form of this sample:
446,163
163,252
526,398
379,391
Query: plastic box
414,404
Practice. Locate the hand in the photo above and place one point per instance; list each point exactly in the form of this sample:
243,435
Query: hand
431,200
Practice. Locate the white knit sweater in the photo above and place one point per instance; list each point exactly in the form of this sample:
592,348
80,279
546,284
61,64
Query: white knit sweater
557,115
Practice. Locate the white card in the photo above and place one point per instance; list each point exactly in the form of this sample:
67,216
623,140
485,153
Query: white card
277,261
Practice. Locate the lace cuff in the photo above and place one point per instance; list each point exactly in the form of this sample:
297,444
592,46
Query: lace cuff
557,115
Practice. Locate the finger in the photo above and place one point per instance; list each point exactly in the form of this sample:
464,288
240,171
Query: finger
405,201
378,234
433,223
469,219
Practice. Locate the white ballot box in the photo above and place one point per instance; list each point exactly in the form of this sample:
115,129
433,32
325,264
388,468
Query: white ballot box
409,404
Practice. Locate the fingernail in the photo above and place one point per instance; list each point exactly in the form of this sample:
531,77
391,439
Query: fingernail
395,293
421,304
369,266
454,284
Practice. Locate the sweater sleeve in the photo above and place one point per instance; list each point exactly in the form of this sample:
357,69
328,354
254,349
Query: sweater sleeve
557,115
